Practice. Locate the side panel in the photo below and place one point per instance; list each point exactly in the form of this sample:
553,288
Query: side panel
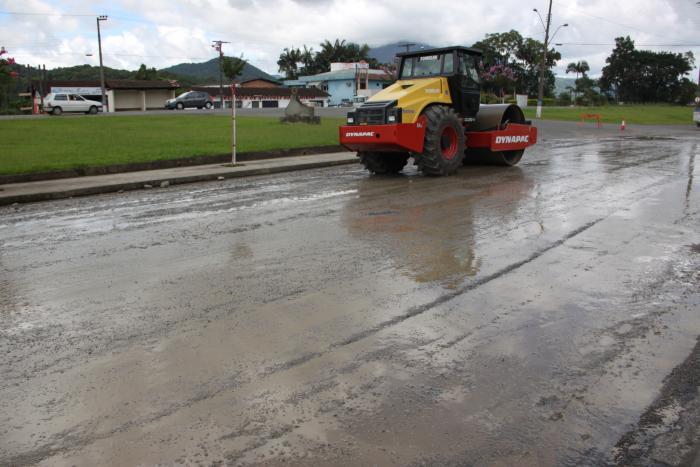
512,138
401,137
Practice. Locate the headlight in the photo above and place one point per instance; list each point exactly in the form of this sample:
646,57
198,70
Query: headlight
351,118
394,115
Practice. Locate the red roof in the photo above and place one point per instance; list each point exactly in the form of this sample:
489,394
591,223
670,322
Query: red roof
282,93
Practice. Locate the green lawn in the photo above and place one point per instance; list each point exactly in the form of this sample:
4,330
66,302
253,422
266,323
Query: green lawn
73,142
632,114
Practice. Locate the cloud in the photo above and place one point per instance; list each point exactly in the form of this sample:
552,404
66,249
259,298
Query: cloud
165,32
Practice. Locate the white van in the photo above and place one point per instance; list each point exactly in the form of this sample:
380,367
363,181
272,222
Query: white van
56,104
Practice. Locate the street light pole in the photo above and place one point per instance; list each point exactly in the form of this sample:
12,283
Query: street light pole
543,65
540,91
102,71
218,47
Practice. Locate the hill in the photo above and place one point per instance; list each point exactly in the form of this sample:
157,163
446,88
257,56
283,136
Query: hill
386,53
560,84
209,71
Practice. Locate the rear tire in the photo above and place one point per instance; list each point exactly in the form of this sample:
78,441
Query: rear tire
57,111
384,162
208,105
443,148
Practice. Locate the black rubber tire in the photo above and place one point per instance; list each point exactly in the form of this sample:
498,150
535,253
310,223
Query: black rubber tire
485,157
180,106
697,124
208,105
56,111
384,162
432,161
93,110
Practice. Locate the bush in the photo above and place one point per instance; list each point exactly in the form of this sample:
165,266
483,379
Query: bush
546,102
488,98
564,99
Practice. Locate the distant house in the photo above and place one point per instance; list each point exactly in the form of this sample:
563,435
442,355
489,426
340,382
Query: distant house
345,80
122,94
265,97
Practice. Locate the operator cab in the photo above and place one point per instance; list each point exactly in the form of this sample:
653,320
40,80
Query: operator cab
459,65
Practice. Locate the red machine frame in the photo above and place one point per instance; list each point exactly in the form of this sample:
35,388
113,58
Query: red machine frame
410,136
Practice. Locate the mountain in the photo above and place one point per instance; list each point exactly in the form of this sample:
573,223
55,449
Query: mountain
86,72
386,53
560,84
209,71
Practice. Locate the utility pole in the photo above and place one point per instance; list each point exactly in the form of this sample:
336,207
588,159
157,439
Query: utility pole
540,91
218,47
543,65
102,71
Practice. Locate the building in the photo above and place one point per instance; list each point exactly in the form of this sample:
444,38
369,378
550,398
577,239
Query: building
346,80
122,94
266,97
260,83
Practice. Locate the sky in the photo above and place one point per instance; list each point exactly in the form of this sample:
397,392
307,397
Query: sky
160,33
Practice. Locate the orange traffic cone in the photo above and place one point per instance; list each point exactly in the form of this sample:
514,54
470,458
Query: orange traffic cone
623,125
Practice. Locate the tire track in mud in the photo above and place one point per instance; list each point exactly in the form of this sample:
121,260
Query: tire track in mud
73,438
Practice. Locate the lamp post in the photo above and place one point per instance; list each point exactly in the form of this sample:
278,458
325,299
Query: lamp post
102,71
540,92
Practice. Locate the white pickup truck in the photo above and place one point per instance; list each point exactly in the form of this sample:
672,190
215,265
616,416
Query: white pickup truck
57,103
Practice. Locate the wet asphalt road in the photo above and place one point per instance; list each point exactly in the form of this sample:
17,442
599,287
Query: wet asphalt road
546,314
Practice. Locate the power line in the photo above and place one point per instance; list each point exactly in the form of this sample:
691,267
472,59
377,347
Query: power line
602,18
636,45
19,13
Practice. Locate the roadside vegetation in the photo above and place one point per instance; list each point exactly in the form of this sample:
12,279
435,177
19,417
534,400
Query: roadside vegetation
632,114
76,142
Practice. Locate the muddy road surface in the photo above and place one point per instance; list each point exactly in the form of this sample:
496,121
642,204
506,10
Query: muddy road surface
546,314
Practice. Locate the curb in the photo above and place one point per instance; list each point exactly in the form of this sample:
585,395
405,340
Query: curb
167,164
155,182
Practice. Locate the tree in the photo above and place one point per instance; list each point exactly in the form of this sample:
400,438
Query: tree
287,63
144,73
499,79
522,56
319,62
233,67
578,68
308,61
529,55
7,74
646,76
500,47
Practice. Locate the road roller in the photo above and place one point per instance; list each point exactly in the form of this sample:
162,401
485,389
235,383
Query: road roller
433,114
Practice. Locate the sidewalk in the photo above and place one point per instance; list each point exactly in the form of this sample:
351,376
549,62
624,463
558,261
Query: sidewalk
81,186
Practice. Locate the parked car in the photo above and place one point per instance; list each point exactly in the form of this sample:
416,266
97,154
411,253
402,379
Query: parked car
57,103
190,99
357,101
696,115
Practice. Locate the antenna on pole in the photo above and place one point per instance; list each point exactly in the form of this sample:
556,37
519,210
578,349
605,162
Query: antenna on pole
217,45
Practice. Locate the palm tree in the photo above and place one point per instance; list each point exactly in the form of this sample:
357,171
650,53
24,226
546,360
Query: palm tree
308,60
288,62
578,67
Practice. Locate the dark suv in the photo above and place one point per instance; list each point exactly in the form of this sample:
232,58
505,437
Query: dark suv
191,99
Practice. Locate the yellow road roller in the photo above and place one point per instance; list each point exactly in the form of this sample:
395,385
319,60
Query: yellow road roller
433,114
